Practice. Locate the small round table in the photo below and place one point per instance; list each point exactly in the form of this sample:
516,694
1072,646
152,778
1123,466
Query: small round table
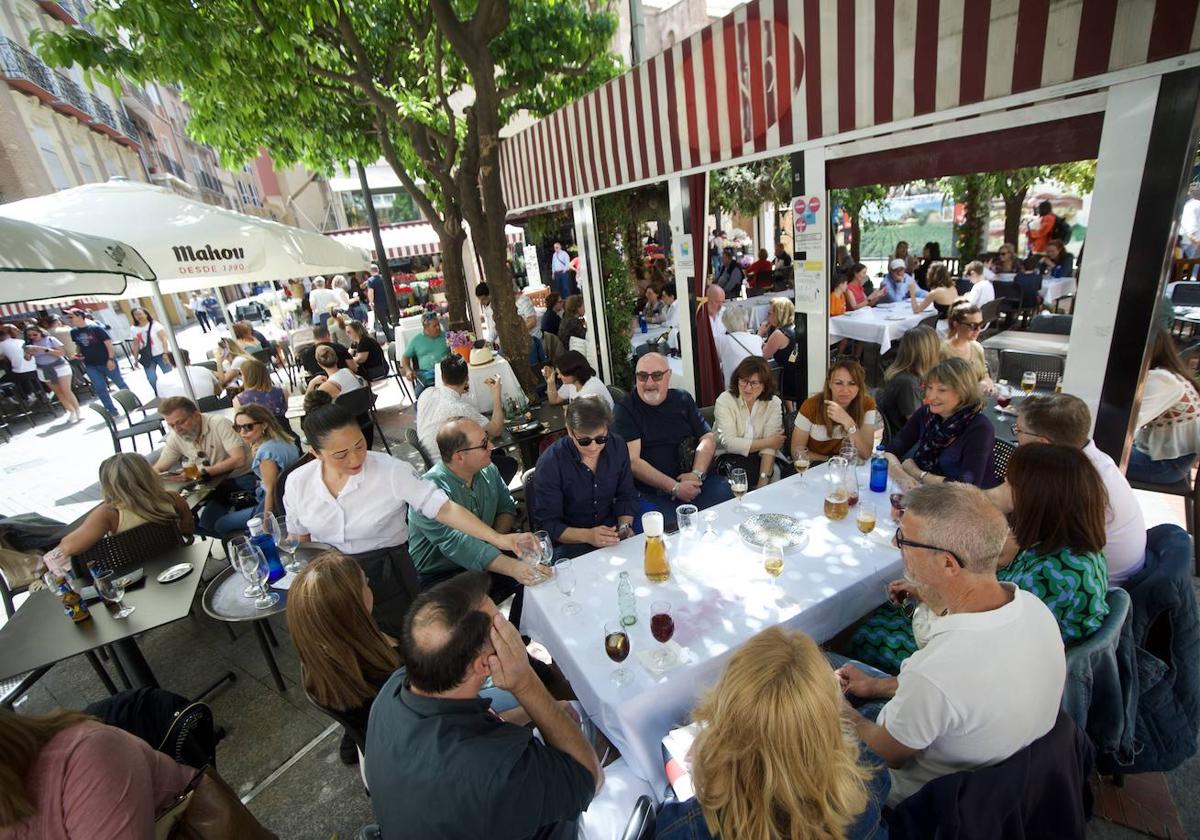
224,601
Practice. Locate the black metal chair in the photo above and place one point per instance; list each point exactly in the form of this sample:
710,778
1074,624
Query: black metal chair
127,549
281,482
135,429
1186,294
1009,295
129,402
413,440
360,402
641,825
1051,324
930,321
527,488
213,403
398,373
1047,366
1002,452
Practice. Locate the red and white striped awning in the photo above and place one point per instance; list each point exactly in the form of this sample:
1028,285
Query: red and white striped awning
776,73
16,310
411,239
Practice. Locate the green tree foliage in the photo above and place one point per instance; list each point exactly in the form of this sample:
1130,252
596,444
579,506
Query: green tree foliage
426,84
854,201
743,189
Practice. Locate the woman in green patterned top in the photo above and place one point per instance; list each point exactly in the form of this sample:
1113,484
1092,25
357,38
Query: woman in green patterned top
1059,505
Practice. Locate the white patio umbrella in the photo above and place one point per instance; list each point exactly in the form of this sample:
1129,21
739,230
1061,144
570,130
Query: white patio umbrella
187,244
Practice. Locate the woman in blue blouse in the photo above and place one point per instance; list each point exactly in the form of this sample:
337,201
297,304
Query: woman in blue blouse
948,438
273,452
583,493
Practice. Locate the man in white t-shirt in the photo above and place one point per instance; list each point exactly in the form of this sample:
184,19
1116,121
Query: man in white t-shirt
1064,419
319,300
204,381
988,677
448,401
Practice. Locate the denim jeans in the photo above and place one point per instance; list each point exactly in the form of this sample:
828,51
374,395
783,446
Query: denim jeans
1167,471
714,491
562,282
100,375
157,362
216,520
867,707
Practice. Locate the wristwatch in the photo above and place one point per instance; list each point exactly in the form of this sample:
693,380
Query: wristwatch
675,490
203,474
623,527
699,475
852,429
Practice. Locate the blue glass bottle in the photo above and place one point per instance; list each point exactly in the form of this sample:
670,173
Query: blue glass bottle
879,471
266,544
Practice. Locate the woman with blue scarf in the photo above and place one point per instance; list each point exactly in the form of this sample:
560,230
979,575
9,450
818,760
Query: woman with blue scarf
948,438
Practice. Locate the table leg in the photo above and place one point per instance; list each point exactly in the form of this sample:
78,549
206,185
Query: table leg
94,661
266,626
120,669
270,657
128,653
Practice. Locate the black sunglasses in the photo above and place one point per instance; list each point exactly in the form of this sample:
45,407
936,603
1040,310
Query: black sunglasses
245,427
657,375
588,441
901,542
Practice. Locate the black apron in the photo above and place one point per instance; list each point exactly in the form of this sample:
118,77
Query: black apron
392,579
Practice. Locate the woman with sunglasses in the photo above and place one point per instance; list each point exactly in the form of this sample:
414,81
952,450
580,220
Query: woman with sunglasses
272,450
357,501
965,322
583,485
49,355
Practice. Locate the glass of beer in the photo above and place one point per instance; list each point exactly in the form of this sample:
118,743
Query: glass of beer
837,493
800,462
191,470
739,483
866,517
655,563
1058,385
1028,381
772,554
616,646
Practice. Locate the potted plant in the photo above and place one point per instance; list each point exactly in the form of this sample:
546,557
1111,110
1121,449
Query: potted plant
461,342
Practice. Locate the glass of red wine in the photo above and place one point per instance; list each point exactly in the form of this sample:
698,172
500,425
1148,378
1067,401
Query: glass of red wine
662,627
616,645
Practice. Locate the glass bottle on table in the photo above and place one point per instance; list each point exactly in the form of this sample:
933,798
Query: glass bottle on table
655,563
626,602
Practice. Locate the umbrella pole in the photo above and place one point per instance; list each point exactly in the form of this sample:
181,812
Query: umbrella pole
161,306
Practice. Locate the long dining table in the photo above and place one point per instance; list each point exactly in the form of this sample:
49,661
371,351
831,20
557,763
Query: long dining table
882,324
720,597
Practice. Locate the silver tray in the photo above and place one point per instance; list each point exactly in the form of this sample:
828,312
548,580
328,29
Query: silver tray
778,528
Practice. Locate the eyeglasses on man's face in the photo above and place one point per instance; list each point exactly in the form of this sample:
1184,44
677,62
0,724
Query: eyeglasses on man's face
902,543
487,444
645,375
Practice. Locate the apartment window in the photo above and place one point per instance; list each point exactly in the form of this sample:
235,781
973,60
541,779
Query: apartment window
86,171
50,157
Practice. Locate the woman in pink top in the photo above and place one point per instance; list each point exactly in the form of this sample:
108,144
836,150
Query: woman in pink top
66,776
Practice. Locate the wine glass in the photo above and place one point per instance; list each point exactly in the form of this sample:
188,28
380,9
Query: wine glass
564,579
253,567
276,526
662,627
236,546
801,462
738,483
111,588
709,517
616,645
866,517
547,547
772,554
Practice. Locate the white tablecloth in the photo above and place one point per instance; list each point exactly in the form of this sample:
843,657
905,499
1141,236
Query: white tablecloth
880,324
1054,288
481,394
758,306
720,597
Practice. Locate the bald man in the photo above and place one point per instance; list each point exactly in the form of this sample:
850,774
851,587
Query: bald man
653,421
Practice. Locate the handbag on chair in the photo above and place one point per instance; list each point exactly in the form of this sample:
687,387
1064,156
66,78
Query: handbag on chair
208,809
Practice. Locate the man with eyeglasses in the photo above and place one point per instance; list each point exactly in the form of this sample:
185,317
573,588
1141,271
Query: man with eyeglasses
207,437
654,421
449,400
988,676
583,494
469,477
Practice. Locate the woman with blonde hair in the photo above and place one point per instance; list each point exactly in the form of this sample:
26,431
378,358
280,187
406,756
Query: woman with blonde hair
965,322
258,389
773,759
782,348
273,450
231,356
842,411
917,353
949,438
69,775
133,495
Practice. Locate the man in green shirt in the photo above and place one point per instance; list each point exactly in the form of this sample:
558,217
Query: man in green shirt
469,477
424,351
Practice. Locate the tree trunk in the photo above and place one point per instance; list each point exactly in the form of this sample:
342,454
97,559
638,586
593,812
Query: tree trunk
970,235
855,231
454,274
1013,204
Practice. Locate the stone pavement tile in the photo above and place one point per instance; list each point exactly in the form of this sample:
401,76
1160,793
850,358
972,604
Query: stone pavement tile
1143,804
316,798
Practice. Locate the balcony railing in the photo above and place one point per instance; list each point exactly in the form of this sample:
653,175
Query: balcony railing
128,127
104,114
72,97
167,165
208,182
26,71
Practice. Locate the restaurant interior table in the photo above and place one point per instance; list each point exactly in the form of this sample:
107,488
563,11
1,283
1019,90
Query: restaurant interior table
757,307
480,394
881,324
1025,342
40,634
720,596
1054,288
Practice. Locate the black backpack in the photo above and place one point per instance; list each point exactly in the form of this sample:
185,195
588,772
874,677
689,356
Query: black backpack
1061,230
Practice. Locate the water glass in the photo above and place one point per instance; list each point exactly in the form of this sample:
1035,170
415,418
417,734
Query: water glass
564,579
547,547
253,567
284,541
685,518
111,587
237,545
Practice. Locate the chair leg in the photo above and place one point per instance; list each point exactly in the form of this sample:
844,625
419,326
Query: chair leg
270,633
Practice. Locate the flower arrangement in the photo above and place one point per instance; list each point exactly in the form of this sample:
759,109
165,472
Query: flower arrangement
404,290
409,311
460,339
437,283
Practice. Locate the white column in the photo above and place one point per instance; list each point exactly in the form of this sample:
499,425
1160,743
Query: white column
813,271
685,278
591,285
1124,139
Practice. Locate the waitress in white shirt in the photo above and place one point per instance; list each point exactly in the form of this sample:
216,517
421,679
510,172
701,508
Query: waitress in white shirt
579,380
357,501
